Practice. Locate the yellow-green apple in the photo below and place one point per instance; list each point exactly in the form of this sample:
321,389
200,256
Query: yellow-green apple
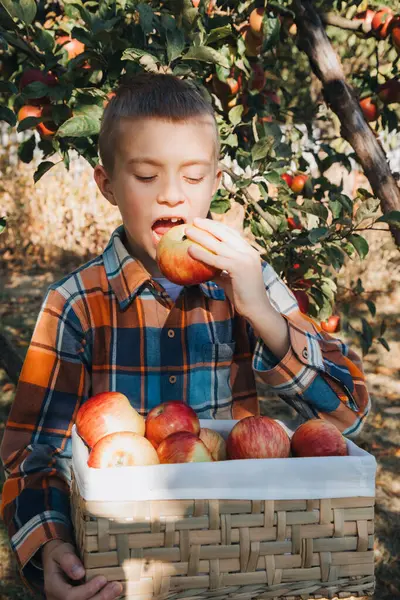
214,442
183,447
105,413
170,417
318,438
174,261
122,449
257,437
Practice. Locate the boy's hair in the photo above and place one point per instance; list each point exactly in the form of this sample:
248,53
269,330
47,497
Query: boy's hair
151,95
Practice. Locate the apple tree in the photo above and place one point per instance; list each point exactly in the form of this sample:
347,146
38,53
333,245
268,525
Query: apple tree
299,88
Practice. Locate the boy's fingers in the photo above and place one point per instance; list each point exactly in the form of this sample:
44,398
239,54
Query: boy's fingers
71,565
96,589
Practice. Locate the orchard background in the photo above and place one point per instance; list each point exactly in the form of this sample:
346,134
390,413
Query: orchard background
307,98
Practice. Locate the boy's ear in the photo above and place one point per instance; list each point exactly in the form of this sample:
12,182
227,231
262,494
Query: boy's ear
217,181
103,182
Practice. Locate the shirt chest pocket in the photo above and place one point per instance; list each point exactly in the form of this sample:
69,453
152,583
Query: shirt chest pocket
210,380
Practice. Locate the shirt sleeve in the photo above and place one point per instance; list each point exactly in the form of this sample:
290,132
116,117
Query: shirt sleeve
319,375
36,448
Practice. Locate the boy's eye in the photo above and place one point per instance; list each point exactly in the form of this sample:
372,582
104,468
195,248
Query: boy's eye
145,178
194,179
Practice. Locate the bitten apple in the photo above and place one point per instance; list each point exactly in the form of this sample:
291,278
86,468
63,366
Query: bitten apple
176,264
170,417
214,442
318,438
183,447
105,413
122,449
257,437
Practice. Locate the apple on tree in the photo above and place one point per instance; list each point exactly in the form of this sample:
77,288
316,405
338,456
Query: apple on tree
168,418
105,413
183,447
318,438
122,449
257,437
332,324
173,259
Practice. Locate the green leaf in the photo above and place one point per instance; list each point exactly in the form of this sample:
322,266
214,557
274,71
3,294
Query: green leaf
175,44
36,89
26,149
262,148
312,208
367,209
384,343
220,206
148,61
181,69
28,123
383,327
206,54
44,40
235,114
336,257
81,126
391,217
273,177
218,34
367,332
318,234
146,17
8,87
371,307
24,10
42,169
3,224
7,115
360,244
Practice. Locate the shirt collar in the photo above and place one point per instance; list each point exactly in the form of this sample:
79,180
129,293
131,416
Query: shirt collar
127,275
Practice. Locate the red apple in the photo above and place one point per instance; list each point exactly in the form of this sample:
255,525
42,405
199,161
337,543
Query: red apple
122,449
318,438
369,108
302,300
294,223
287,178
389,92
170,417
332,324
396,35
174,261
298,183
183,447
381,22
257,437
214,442
29,111
105,413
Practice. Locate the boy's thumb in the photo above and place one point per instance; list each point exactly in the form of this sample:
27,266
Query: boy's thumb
71,565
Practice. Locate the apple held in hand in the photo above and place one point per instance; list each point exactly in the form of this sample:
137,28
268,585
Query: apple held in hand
258,437
318,438
105,413
183,447
176,264
170,417
214,442
122,449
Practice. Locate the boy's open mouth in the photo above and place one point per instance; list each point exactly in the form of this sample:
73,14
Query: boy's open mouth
161,226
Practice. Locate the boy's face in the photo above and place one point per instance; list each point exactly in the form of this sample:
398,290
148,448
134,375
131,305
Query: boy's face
162,171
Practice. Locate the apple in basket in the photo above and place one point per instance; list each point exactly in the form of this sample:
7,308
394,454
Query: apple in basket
105,413
183,447
174,261
318,438
122,449
214,442
170,417
258,437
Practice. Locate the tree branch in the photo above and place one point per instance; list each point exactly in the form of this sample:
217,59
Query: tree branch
343,23
342,99
10,360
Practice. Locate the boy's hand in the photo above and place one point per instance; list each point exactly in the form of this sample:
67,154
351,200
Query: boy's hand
243,282
61,565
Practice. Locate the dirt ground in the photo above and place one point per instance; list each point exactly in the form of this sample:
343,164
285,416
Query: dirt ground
21,294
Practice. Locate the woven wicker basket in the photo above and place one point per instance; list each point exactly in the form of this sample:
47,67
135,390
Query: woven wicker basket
238,549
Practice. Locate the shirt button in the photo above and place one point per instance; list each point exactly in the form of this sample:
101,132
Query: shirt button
171,333
172,379
305,353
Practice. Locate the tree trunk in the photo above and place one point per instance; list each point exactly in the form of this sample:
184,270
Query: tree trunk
10,360
343,101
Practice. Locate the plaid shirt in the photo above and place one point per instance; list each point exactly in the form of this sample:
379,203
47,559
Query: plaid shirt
110,326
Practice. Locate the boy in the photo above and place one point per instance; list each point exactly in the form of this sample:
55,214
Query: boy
117,324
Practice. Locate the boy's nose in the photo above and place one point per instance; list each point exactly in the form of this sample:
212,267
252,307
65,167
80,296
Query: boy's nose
171,196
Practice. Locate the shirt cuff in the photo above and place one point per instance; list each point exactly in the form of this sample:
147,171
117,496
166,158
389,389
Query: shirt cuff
296,371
